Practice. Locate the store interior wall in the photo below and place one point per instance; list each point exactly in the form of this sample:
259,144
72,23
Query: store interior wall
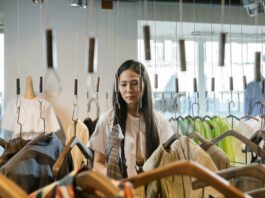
117,42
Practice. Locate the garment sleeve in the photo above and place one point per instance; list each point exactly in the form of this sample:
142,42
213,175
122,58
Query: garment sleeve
164,128
98,140
51,121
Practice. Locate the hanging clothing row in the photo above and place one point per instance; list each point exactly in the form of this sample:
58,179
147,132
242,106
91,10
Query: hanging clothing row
53,160
181,184
212,127
36,157
178,151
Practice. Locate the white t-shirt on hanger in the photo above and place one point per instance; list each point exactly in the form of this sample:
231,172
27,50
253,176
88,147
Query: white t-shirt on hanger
29,117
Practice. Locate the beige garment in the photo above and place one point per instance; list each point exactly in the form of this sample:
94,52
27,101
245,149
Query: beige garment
178,186
218,156
83,134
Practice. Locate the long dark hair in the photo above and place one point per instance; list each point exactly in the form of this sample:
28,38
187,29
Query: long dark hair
152,138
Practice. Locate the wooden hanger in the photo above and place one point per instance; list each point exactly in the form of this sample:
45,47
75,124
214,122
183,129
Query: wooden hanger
233,117
96,181
196,135
248,116
2,142
254,170
257,193
251,145
9,189
188,168
74,141
197,118
29,91
258,137
170,141
207,117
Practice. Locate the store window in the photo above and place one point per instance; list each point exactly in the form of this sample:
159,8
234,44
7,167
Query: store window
242,63
202,59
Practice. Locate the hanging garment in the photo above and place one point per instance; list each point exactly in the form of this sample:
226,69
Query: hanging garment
218,156
11,148
63,188
31,167
104,126
238,146
174,125
29,117
80,130
113,153
220,126
252,95
185,127
247,183
91,125
178,185
249,127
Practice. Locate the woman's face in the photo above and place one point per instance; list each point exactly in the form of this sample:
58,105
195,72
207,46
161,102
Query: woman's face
128,86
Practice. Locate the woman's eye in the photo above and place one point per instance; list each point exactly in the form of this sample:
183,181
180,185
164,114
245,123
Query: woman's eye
135,82
123,84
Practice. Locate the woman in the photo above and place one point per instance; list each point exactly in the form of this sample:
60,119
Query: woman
131,117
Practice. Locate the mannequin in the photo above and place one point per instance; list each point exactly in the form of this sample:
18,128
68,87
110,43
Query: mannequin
29,91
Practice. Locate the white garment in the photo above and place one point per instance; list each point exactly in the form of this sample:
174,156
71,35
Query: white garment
253,126
82,133
29,117
104,126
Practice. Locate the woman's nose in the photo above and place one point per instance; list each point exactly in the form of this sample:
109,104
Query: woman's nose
129,88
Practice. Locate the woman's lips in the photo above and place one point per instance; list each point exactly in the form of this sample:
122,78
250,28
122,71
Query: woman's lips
131,98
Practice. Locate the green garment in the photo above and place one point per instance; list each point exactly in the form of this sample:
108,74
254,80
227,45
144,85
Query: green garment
221,127
184,126
237,145
207,130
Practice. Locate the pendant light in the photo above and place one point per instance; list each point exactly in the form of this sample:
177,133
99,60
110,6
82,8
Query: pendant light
222,38
182,53
78,3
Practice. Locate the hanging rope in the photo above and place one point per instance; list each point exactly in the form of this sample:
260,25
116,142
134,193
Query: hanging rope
180,16
41,42
231,86
212,79
222,14
156,75
76,42
176,79
257,53
18,39
242,52
194,48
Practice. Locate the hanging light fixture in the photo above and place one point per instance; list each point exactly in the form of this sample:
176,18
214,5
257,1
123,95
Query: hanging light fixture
78,3
37,1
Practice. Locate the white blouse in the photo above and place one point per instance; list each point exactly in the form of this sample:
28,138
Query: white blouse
104,126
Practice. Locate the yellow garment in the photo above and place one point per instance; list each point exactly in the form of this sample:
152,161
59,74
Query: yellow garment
178,185
83,134
237,145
